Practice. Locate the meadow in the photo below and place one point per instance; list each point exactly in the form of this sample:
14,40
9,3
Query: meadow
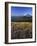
20,30
21,25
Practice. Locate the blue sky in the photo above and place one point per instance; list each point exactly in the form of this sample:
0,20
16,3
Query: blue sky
21,11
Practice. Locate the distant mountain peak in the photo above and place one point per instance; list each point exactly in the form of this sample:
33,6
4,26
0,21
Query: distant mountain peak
28,15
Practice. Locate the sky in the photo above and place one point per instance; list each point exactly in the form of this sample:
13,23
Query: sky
21,11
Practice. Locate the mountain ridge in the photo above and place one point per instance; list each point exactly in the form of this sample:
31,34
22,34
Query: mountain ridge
21,18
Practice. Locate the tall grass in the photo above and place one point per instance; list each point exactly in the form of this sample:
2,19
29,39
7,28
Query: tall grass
21,25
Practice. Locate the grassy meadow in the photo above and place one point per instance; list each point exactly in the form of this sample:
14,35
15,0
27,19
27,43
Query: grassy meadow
21,25
21,30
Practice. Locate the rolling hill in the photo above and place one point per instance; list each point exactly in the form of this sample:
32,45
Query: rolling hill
26,18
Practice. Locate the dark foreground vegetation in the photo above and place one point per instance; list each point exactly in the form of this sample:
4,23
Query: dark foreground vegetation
21,34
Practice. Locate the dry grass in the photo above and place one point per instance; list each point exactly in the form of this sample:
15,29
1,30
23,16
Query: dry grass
21,25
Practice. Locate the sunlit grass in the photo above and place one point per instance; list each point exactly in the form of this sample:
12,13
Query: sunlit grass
21,25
